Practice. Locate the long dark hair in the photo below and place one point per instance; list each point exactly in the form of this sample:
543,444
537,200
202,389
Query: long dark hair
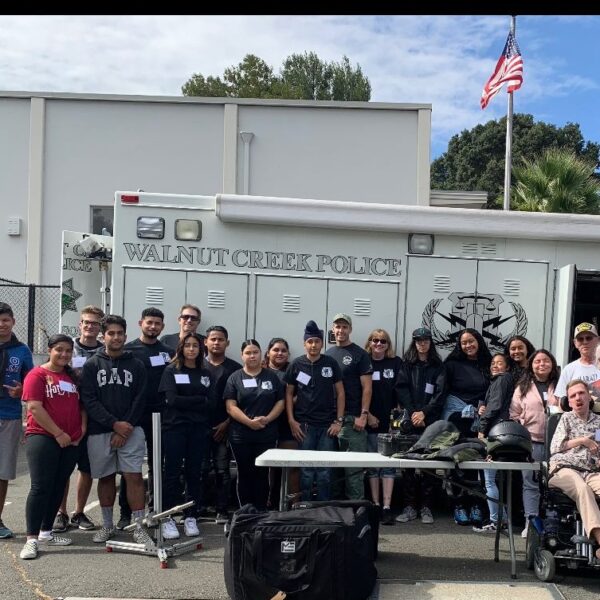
57,339
528,378
412,356
179,359
484,357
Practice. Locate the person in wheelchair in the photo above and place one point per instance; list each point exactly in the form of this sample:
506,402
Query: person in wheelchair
575,458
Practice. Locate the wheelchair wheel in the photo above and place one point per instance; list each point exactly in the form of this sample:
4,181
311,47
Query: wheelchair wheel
531,546
544,565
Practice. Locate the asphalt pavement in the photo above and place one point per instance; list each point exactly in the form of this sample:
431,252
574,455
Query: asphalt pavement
416,561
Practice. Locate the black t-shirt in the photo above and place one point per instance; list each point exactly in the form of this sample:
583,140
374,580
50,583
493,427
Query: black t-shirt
542,388
354,362
185,392
172,340
385,396
155,358
314,387
219,374
284,433
255,398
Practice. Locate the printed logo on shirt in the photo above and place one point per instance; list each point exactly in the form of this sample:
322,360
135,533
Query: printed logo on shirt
327,372
388,373
165,356
205,381
266,385
113,377
60,389
14,364
347,360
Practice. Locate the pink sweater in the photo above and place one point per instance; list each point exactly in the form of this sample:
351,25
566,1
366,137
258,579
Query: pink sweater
528,410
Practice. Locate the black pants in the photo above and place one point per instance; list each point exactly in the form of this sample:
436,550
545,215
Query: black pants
252,481
184,448
418,489
217,457
50,466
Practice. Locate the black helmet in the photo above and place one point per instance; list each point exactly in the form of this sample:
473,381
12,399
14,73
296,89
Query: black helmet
509,441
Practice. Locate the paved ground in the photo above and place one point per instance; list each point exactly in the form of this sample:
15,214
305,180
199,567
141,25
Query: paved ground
416,561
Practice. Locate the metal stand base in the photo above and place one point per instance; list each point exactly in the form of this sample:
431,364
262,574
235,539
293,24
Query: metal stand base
157,548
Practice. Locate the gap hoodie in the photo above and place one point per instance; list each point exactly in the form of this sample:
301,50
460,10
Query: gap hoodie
112,389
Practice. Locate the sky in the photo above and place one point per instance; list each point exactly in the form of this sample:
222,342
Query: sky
440,60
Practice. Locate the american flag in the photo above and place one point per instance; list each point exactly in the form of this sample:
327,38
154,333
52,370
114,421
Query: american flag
509,70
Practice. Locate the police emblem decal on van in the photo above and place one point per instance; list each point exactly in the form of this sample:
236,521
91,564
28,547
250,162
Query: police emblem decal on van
477,311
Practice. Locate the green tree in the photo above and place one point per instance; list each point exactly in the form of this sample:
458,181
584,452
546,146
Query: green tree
558,181
302,76
475,158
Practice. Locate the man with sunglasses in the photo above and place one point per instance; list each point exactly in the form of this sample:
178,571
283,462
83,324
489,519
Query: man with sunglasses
189,320
585,368
84,347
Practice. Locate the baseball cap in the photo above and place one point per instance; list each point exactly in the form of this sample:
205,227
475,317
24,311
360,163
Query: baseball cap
583,327
343,317
421,333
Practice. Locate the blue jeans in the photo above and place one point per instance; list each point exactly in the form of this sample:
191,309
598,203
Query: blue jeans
316,438
491,490
531,486
374,473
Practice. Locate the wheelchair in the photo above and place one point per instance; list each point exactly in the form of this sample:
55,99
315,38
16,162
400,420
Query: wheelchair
556,537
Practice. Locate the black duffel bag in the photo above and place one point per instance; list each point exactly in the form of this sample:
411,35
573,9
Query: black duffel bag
373,513
320,553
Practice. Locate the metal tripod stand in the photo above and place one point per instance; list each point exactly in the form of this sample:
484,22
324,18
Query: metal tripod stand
154,520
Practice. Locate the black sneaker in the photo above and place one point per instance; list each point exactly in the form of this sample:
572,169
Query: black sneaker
61,523
81,521
123,522
386,516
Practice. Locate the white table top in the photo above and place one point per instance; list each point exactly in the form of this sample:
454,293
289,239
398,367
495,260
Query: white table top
278,457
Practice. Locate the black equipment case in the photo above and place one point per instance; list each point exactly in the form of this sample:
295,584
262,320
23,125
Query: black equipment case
320,553
373,513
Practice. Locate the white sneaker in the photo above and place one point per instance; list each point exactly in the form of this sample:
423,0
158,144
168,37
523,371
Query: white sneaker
30,550
103,535
169,530
190,527
55,540
524,532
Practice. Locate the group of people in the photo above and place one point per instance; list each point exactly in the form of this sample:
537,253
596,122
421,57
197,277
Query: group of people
90,405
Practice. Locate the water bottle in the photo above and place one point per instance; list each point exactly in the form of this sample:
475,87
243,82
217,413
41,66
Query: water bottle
551,522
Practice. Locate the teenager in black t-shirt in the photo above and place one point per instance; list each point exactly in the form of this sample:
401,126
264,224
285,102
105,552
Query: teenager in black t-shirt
254,400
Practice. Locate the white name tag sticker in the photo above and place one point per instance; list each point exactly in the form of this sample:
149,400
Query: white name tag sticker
182,378
78,361
66,386
597,435
157,361
303,378
429,389
249,383
545,396
376,375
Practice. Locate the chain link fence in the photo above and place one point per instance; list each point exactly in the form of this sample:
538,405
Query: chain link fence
36,309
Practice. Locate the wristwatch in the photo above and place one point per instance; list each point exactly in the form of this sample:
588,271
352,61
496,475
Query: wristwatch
339,420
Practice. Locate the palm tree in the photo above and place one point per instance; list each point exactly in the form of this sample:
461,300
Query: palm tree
559,182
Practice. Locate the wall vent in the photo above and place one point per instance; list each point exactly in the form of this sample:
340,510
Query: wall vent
488,248
362,307
512,287
470,248
291,303
441,284
155,296
216,299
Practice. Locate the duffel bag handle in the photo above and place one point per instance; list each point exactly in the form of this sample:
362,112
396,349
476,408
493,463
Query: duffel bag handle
305,574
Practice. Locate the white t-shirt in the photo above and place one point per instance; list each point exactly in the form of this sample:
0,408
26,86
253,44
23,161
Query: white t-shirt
576,370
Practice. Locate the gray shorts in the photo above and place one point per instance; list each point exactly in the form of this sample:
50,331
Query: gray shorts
11,432
105,460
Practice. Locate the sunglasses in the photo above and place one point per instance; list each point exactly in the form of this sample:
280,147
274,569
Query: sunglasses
378,341
188,318
585,338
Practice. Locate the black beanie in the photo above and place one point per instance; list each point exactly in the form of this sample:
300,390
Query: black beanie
312,330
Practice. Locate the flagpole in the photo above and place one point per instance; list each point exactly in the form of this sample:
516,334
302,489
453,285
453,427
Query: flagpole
509,123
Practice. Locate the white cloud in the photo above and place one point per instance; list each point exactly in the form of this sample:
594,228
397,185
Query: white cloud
441,60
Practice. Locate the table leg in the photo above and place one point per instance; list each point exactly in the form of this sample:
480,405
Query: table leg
283,490
511,539
500,515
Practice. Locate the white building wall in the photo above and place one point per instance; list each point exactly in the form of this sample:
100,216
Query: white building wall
63,153
14,148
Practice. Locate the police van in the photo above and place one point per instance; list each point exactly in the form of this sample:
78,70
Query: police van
263,266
